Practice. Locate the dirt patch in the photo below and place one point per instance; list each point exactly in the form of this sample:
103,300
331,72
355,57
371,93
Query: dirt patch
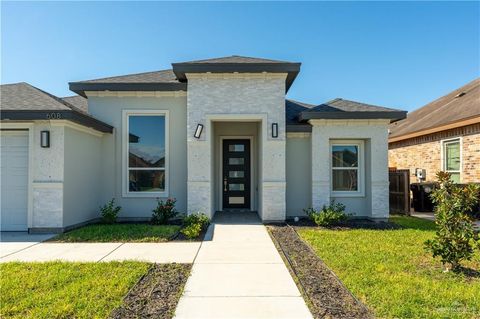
324,293
156,294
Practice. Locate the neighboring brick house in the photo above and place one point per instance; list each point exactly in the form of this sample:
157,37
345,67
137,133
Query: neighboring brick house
442,135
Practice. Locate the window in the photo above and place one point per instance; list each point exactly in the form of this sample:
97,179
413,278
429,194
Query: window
145,143
452,162
347,170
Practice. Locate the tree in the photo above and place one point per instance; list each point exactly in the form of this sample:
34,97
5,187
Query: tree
455,239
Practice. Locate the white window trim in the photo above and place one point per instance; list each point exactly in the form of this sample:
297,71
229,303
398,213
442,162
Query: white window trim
125,141
361,168
443,161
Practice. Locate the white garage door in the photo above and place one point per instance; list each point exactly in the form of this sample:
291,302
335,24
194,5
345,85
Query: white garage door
14,180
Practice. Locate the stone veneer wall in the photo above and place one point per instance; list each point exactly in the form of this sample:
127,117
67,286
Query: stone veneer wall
426,152
242,97
375,135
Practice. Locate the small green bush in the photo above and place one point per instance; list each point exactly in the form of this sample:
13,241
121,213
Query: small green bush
109,212
455,239
164,211
193,224
328,215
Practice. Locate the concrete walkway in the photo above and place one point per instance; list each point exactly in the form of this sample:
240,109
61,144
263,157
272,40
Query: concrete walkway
26,247
239,274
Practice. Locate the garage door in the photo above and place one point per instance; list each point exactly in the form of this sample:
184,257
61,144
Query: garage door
14,180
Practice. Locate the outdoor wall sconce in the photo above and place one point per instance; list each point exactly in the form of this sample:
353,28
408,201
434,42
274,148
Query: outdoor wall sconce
198,131
274,130
45,139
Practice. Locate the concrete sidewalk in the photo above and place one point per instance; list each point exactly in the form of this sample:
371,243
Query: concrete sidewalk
239,274
18,247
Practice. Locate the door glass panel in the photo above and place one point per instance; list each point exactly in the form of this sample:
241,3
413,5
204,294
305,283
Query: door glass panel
236,148
236,200
236,174
236,161
236,187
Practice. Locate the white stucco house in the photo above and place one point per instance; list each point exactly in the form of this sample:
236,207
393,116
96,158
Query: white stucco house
217,135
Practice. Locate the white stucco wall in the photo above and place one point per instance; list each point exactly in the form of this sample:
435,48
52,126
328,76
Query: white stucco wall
299,173
82,183
221,97
47,176
109,108
375,202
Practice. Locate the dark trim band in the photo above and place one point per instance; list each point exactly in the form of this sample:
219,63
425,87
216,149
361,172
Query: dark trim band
393,116
81,87
73,116
299,128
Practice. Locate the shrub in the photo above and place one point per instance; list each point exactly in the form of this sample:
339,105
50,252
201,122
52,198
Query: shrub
164,211
454,239
328,215
109,212
193,224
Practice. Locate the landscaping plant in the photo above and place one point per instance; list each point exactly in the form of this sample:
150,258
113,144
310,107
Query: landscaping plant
164,211
328,215
455,239
109,212
193,224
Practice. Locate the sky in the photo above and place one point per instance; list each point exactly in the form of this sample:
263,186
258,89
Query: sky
394,54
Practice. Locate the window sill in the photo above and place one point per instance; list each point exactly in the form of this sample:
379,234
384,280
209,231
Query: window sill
347,194
145,195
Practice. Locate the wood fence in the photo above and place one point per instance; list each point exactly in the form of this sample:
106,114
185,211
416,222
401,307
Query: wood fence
399,191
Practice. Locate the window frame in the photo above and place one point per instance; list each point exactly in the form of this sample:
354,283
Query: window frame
360,192
125,146
444,159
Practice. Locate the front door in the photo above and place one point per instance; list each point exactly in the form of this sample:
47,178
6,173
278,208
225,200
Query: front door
236,174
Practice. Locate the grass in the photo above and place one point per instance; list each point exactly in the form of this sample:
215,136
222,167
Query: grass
65,290
139,233
392,274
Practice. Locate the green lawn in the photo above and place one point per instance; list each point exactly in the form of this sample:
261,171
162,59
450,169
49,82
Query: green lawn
119,233
65,290
392,274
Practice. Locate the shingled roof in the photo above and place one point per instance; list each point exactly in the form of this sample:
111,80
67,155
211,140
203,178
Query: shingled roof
235,59
78,101
345,109
175,79
22,101
455,107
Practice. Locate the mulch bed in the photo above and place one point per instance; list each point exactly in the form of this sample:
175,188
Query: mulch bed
156,294
348,224
324,293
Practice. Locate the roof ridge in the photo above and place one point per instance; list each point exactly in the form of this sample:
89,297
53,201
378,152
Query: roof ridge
57,99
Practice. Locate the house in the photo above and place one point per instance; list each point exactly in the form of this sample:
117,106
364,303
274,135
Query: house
443,135
215,134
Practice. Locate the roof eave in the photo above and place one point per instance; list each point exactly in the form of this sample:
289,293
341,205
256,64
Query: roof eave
292,69
299,128
388,115
81,87
69,115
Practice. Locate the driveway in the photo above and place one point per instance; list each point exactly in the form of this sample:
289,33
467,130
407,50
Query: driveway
31,248
239,274
13,242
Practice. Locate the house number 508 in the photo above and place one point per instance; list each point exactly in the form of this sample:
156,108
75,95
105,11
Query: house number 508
53,116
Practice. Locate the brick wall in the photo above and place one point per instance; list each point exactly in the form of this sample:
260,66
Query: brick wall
425,152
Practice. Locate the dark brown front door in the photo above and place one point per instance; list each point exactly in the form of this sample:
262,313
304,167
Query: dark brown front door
236,174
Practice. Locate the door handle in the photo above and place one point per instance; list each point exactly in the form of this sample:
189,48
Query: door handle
225,184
